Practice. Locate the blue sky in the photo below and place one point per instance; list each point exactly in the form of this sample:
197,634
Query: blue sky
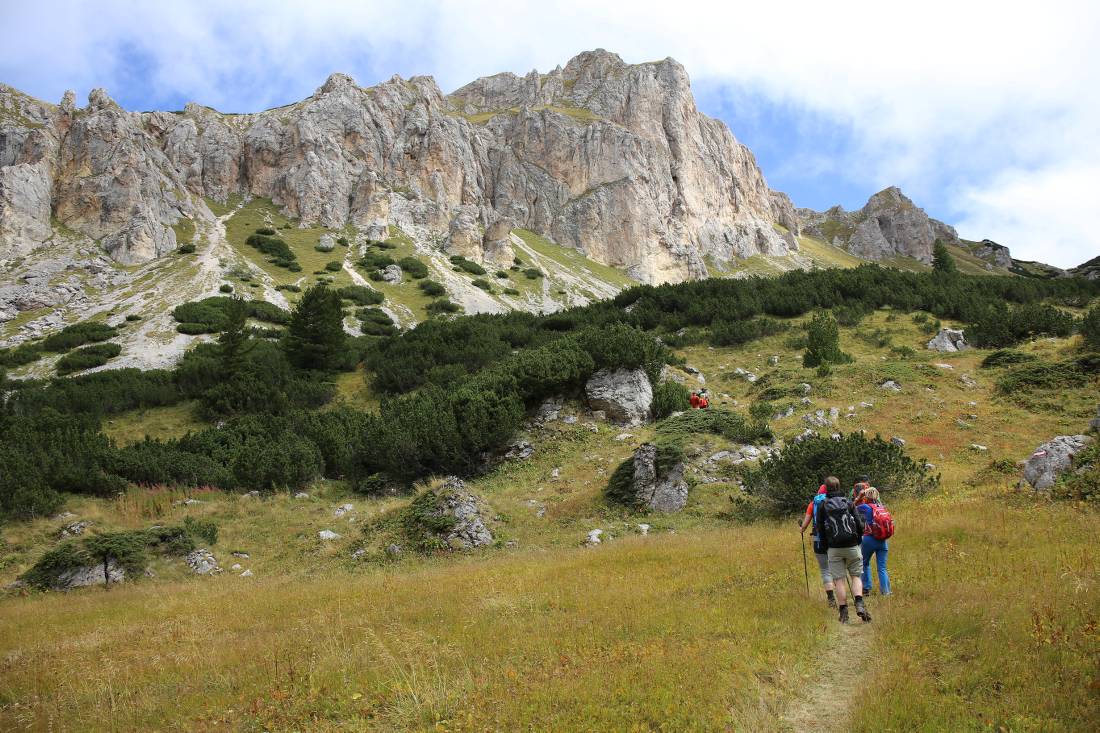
986,116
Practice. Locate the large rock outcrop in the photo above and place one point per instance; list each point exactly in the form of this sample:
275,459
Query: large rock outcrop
465,515
624,394
1052,459
645,482
611,158
889,225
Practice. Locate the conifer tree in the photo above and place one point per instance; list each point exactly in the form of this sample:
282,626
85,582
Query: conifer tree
942,261
315,336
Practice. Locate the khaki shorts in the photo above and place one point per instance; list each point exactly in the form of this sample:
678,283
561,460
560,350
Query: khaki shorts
845,559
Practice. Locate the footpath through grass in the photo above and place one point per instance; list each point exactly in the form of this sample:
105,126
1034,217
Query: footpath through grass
993,623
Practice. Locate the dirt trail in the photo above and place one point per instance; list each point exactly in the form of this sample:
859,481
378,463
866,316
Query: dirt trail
825,704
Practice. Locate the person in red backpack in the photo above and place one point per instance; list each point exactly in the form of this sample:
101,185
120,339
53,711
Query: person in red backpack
694,400
880,528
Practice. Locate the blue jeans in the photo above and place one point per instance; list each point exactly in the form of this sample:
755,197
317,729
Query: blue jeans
871,546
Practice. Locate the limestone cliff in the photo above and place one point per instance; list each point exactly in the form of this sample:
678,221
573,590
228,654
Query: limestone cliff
610,158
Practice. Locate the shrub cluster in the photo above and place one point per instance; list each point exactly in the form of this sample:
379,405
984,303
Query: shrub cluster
279,252
210,314
785,482
466,265
127,550
413,267
361,295
87,358
670,397
999,325
432,288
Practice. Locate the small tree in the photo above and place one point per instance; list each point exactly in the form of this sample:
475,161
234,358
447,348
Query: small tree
315,336
823,342
1090,327
233,344
942,261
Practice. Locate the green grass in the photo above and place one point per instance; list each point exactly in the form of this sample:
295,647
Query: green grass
185,230
826,255
572,259
172,421
259,213
232,201
405,293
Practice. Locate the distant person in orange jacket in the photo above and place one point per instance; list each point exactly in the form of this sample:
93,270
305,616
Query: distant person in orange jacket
704,403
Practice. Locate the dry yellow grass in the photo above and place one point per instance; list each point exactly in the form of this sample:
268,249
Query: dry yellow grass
703,625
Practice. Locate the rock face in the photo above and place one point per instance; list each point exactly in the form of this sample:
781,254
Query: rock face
624,394
655,489
469,512
610,158
889,225
91,575
1053,458
949,339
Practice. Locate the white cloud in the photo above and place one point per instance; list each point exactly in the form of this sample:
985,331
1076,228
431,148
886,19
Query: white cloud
940,97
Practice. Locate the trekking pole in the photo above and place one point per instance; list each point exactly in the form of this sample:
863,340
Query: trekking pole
805,568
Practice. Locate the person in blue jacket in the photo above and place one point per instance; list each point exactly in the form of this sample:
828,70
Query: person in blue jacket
865,504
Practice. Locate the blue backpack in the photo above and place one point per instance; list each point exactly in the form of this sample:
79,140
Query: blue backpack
820,546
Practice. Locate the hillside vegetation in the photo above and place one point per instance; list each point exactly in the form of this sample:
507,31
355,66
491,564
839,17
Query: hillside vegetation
699,622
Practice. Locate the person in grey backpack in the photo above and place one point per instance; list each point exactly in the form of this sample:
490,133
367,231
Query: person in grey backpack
842,526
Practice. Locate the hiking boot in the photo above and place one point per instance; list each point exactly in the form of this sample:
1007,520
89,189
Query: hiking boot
861,611
832,601
843,614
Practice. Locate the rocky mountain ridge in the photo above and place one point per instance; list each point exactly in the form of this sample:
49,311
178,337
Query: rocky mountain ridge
609,158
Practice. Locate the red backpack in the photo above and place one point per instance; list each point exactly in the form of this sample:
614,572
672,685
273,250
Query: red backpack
882,524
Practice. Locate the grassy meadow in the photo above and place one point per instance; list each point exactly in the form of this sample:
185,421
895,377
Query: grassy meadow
704,624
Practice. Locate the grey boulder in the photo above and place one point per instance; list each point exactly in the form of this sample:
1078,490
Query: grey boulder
1053,458
624,394
949,339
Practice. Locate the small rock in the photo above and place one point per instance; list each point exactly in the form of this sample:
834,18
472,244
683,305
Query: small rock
978,447
555,473
392,273
343,509
63,516
967,381
773,360
948,339
930,467
593,537
806,388
624,436
327,243
358,554
865,405
301,495
599,415
569,419
722,455
899,442
242,555
393,550
328,534
246,574
235,566
690,369
203,562
643,529
834,413
253,494
942,366
512,544
538,506
74,529
890,385
520,450
191,502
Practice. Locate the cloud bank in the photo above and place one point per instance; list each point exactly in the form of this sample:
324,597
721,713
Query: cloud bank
985,114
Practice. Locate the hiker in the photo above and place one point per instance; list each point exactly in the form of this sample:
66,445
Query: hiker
841,526
880,528
863,482
821,552
694,400
704,403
